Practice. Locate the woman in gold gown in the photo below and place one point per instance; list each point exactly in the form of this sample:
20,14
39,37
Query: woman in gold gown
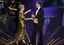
21,32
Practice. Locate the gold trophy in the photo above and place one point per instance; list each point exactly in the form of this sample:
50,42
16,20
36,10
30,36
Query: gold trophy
35,20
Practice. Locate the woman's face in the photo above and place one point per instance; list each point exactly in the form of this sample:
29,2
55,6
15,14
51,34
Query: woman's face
22,8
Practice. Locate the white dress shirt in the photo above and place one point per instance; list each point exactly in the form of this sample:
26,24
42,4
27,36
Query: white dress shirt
37,11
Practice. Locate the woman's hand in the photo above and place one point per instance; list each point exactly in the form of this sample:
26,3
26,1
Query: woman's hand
33,16
29,10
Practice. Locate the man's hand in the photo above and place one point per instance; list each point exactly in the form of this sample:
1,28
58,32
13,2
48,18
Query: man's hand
15,9
35,20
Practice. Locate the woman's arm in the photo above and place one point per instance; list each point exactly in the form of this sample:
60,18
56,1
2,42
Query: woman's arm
22,16
27,11
28,18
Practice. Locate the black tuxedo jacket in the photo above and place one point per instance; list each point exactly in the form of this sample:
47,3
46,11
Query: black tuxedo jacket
40,17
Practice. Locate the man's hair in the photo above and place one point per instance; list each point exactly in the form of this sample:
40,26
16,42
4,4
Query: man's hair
38,3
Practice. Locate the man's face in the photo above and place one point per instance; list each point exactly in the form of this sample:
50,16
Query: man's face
12,1
37,5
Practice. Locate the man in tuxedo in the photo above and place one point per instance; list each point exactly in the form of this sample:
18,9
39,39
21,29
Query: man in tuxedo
38,20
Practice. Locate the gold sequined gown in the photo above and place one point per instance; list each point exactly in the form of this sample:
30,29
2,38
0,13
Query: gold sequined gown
21,31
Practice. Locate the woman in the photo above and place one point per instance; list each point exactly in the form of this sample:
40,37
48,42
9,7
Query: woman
21,32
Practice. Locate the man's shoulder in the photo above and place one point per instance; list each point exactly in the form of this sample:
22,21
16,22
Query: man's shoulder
41,9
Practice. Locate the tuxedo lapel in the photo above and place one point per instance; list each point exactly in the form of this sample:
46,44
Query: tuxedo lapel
38,12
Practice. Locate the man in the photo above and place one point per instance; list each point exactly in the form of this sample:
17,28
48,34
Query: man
38,20
12,13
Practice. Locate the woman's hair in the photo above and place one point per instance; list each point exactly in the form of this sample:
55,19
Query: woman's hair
21,6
